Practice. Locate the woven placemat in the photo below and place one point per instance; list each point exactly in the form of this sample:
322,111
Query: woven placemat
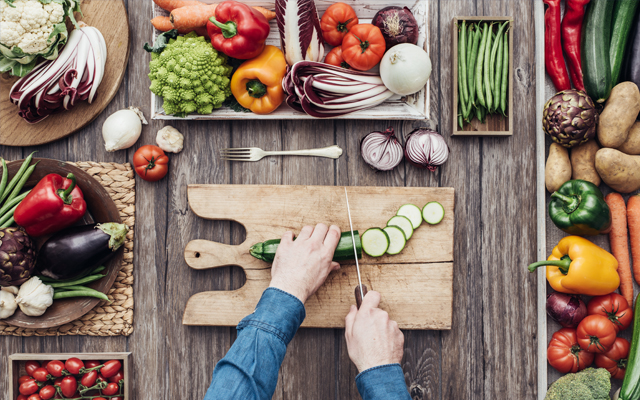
105,319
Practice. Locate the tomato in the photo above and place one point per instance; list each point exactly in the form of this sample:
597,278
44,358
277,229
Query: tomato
22,397
68,386
41,374
334,57
596,333
99,398
55,368
92,364
336,22
151,163
117,377
28,388
110,368
31,366
363,47
102,378
111,389
58,381
24,378
74,365
47,392
34,397
614,307
564,353
615,360
89,379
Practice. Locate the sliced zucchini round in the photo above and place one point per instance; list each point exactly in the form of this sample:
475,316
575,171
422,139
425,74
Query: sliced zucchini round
413,214
403,223
375,242
396,238
433,213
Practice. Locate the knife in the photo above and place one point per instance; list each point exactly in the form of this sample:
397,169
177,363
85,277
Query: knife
361,290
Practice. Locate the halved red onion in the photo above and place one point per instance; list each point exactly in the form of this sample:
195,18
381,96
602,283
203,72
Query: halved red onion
425,148
381,150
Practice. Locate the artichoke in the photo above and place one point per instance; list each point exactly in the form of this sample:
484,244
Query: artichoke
17,256
570,118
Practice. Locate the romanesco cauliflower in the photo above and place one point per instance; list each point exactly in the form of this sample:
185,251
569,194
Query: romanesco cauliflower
190,75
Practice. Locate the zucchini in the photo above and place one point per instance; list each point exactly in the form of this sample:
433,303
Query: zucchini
631,384
433,213
375,242
624,13
266,251
596,44
397,239
413,213
403,223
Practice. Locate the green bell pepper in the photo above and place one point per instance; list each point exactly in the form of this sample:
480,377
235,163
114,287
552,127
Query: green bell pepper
578,208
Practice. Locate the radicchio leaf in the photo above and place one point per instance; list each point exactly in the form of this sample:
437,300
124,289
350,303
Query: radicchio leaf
300,33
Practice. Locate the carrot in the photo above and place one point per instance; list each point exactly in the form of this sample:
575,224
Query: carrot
171,5
633,219
619,246
268,14
192,17
163,24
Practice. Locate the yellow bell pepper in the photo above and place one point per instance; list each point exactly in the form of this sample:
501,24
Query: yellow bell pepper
577,266
257,83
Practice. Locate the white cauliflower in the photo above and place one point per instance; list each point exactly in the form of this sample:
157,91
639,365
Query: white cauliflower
29,24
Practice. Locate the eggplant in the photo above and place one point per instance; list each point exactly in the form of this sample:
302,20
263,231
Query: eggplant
72,251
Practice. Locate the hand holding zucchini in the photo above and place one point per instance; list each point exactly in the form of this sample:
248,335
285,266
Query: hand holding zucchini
266,251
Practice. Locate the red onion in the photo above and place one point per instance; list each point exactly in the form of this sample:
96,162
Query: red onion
398,25
568,310
381,150
425,148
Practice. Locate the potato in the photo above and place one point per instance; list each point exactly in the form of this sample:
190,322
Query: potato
618,170
558,168
619,115
583,162
632,144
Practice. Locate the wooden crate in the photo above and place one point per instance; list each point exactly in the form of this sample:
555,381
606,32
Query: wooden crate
495,125
18,360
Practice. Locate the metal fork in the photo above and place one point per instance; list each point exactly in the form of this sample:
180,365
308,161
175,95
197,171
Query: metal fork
256,154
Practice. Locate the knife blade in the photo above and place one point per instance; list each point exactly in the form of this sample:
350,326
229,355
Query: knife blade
360,290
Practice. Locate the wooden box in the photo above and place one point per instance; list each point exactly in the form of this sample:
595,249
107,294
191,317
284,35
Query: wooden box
18,360
494,125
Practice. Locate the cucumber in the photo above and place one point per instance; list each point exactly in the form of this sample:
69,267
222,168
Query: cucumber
433,213
413,213
266,251
375,242
624,12
403,223
397,240
596,44
631,384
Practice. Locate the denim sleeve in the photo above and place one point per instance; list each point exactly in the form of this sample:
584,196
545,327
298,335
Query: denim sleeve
249,371
385,382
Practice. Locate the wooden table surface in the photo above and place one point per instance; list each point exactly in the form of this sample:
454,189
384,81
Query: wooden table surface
490,352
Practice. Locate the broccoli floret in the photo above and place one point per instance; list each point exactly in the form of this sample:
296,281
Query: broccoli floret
190,75
590,384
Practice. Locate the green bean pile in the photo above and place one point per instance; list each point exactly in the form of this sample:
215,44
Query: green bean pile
483,68
10,192
64,289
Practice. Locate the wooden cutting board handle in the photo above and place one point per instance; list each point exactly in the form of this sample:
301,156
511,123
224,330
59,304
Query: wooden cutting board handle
205,254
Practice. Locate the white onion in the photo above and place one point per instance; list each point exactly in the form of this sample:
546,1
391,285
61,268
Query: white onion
405,69
381,150
425,148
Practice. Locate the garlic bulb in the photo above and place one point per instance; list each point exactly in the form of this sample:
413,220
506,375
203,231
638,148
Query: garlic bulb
34,297
122,129
11,289
170,140
8,303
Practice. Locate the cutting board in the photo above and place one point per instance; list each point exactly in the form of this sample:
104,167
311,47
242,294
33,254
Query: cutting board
416,285
110,18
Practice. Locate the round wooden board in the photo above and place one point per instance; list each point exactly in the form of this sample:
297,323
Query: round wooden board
110,18
101,208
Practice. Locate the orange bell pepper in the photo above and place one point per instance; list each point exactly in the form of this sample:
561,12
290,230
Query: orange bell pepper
257,83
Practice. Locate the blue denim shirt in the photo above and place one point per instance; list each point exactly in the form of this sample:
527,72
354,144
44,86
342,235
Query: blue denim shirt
249,371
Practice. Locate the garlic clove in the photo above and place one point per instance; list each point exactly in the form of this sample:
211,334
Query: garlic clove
8,304
170,139
11,289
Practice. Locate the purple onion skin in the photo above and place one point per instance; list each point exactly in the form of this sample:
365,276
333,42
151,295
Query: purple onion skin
404,29
567,310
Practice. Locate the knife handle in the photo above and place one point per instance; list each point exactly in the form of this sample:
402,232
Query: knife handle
358,298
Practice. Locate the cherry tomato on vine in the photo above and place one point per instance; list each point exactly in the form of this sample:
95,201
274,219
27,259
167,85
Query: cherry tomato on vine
55,368
28,388
22,397
111,389
41,374
68,386
151,163
47,392
117,377
34,397
110,368
99,398
58,381
89,379
31,366
102,378
74,365
24,378
91,364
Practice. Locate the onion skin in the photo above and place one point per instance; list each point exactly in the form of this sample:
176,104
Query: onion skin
567,310
398,25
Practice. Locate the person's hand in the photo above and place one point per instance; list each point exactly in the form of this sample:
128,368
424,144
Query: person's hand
372,338
301,266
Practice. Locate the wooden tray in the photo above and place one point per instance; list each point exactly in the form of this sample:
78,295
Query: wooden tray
495,125
413,107
416,285
108,16
101,208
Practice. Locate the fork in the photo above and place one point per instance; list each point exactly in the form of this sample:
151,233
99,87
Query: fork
256,154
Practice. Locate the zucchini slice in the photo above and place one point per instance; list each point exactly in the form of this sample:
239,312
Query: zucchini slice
375,242
396,238
433,213
403,223
413,213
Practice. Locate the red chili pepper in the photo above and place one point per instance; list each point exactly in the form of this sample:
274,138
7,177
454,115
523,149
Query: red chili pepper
53,204
571,39
238,30
553,58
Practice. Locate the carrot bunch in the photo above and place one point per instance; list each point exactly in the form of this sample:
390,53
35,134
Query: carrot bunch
191,15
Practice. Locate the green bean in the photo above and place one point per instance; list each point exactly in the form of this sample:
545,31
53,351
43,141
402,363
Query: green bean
23,180
5,176
460,121
82,281
7,216
462,103
494,53
462,55
12,203
498,73
487,81
16,177
472,65
98,269
479,113
505,73
8,223
80,292
480,63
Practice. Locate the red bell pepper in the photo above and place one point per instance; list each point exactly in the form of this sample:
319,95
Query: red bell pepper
238,30
53,204
571,39
553,58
